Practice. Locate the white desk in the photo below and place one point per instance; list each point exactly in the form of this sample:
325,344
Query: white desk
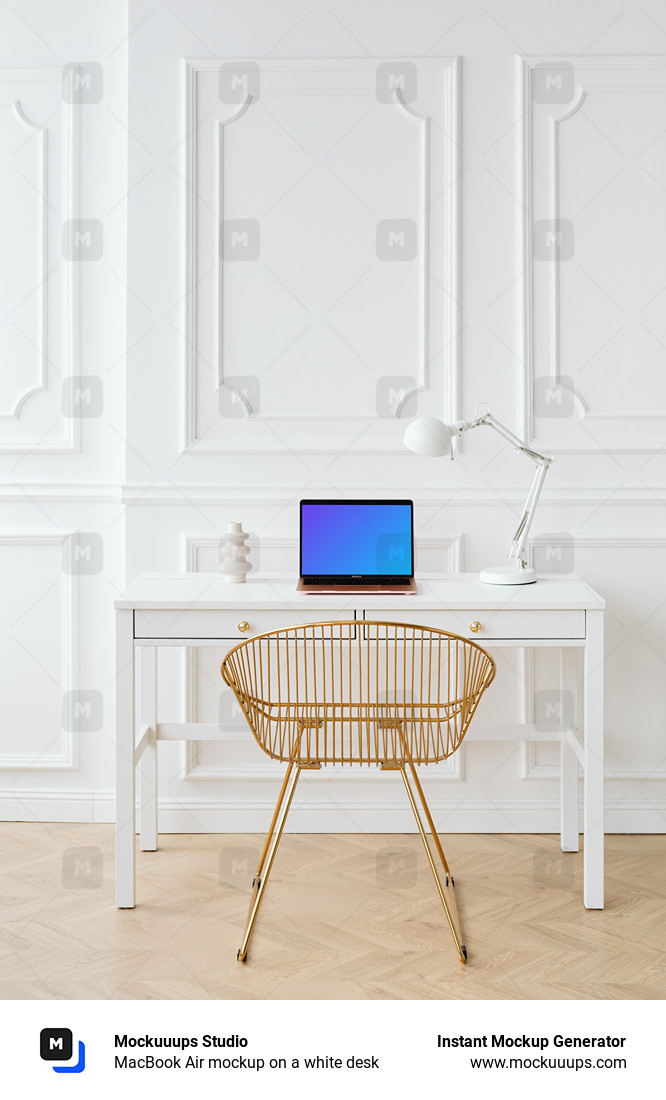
199,609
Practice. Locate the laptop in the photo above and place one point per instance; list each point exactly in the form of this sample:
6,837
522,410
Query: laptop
357,546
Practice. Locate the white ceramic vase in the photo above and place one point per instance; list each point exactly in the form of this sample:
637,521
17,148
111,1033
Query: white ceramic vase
234,553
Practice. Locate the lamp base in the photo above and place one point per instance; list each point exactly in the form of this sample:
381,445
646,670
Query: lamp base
507,574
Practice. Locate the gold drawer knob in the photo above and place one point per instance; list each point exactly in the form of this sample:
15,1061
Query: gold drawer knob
475,627
243,626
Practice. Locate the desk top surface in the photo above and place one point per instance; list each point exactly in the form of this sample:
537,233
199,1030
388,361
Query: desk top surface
209,591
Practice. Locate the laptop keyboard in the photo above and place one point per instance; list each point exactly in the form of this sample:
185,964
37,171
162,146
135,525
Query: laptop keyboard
384,581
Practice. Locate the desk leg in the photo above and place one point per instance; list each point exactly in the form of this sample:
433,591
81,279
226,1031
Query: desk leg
148,761
593,820
568,759
125,825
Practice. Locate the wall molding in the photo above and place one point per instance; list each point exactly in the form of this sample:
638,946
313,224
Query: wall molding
58,492
222,123
454,814
218,815
451,545
423,123
68,206
644,541
46,805
281,495
449,128
68,758
40,187
524,250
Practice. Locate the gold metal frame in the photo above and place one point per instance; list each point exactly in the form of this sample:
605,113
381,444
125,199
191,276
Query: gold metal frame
353,691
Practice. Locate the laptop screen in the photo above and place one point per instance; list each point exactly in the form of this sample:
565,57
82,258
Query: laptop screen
357,538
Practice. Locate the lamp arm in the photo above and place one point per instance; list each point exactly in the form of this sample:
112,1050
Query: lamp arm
514,440
542,462
523,529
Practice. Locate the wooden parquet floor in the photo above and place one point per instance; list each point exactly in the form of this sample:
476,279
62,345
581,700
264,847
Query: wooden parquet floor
344,917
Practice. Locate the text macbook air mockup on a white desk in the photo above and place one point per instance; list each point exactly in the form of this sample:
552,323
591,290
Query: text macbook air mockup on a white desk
199,609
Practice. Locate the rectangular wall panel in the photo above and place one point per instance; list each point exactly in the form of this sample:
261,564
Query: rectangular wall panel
42,709
43,243
592,164
321,296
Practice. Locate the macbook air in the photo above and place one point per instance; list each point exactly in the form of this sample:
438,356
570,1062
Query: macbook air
357,546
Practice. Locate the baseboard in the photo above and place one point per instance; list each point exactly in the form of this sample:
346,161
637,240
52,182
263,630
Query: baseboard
508,816
628,815
75,806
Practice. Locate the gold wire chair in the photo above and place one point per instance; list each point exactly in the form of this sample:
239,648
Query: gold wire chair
358,692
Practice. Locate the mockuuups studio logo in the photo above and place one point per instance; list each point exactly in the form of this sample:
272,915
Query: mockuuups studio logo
240,239
396,239
553,83
82,711
395,396
231,716
82,82
396,79
83,553
237,866
82,395
82,239
553,711
393,554
554,553
553,869
553,399
396,868
82,868
553,239
56,1044
239,396
238,80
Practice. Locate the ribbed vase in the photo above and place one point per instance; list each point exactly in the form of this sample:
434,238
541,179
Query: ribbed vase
233,555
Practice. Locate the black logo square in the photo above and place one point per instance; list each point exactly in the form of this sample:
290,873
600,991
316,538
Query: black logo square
55,1044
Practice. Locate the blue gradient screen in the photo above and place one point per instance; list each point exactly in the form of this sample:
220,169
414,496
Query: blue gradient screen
356,538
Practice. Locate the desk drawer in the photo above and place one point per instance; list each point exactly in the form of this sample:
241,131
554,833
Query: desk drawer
225,624
494,623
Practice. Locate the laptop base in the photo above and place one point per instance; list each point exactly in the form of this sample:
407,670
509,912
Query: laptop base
410,588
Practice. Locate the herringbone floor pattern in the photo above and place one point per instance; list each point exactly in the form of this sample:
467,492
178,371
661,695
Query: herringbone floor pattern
344,917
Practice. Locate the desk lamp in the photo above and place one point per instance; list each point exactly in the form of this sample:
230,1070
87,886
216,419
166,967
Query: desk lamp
428,436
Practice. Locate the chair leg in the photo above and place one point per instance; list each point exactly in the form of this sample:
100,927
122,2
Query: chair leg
446,893
268,854
431,823
271,827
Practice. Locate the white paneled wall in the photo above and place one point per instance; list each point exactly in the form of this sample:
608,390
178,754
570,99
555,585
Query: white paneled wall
63,186
314,254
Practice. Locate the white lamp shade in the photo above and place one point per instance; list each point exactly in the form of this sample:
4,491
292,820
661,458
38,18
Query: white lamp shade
428,436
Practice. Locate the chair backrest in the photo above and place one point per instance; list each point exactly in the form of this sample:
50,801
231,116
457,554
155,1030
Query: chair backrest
358,691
